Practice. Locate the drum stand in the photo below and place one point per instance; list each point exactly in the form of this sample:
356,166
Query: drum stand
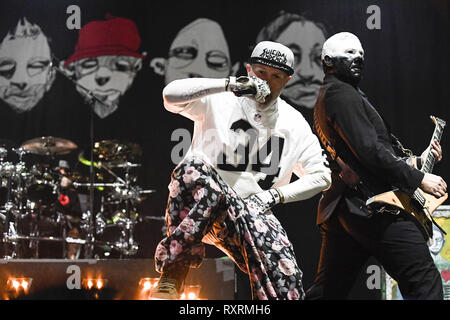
19,212
9,232
13,209
89,215
92,224
126,193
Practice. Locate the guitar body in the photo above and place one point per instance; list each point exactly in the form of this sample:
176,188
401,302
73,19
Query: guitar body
403,202
421,205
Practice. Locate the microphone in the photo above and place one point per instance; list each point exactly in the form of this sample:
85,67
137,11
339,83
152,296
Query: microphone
240,87
242,92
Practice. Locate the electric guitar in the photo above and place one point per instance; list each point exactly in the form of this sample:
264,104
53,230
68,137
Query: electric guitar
421,205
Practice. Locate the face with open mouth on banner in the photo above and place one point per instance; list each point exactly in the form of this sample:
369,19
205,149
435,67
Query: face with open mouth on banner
25,67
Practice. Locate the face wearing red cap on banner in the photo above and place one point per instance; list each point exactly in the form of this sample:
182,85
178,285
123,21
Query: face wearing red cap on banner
106,61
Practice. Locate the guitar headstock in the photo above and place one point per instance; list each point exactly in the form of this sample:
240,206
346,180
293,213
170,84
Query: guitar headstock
437,121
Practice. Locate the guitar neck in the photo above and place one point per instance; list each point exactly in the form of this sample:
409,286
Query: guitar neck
428,165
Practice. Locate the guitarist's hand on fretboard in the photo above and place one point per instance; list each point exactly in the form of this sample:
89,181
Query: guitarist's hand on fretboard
433,184
436,150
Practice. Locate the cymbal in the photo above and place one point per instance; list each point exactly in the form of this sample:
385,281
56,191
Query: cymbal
49,146
117,151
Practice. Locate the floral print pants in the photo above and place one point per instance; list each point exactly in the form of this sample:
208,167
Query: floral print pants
202,208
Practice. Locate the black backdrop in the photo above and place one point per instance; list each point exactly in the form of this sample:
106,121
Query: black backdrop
406,74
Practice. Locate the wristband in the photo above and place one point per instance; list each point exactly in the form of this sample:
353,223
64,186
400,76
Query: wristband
227,82
276,195
280,194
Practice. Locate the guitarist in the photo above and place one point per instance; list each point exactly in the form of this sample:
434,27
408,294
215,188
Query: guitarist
364,162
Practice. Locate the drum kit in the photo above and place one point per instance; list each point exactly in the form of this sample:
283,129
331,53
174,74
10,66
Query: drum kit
44,201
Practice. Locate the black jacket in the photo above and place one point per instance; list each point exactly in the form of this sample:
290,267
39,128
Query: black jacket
363,140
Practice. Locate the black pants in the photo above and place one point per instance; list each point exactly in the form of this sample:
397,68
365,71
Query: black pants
348,240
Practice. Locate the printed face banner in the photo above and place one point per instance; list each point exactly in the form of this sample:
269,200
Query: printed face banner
198,50
94,71
25,73
105,62
305,38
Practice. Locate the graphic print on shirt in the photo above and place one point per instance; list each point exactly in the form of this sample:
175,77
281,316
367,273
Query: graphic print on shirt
243,159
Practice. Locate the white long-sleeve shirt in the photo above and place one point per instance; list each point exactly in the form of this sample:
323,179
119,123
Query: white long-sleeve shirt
252,149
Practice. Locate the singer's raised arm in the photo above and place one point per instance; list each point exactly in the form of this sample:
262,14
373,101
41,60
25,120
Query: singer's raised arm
179,93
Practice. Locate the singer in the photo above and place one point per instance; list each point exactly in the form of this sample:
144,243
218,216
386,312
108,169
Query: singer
247,142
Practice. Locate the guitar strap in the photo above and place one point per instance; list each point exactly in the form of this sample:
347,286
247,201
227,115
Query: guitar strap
347,174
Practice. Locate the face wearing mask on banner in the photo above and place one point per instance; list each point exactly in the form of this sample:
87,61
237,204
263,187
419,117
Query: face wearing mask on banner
25,67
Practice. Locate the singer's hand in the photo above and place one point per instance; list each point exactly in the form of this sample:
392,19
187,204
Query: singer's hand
249,85
263,201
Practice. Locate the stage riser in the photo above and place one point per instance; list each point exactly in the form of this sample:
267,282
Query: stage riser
59,279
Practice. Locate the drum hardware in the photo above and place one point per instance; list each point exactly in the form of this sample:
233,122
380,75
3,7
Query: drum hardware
96,185
17,237
125,165
3,153
9,236
119,199
129,195
118,245
156,218
100,223
31,193
115,154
